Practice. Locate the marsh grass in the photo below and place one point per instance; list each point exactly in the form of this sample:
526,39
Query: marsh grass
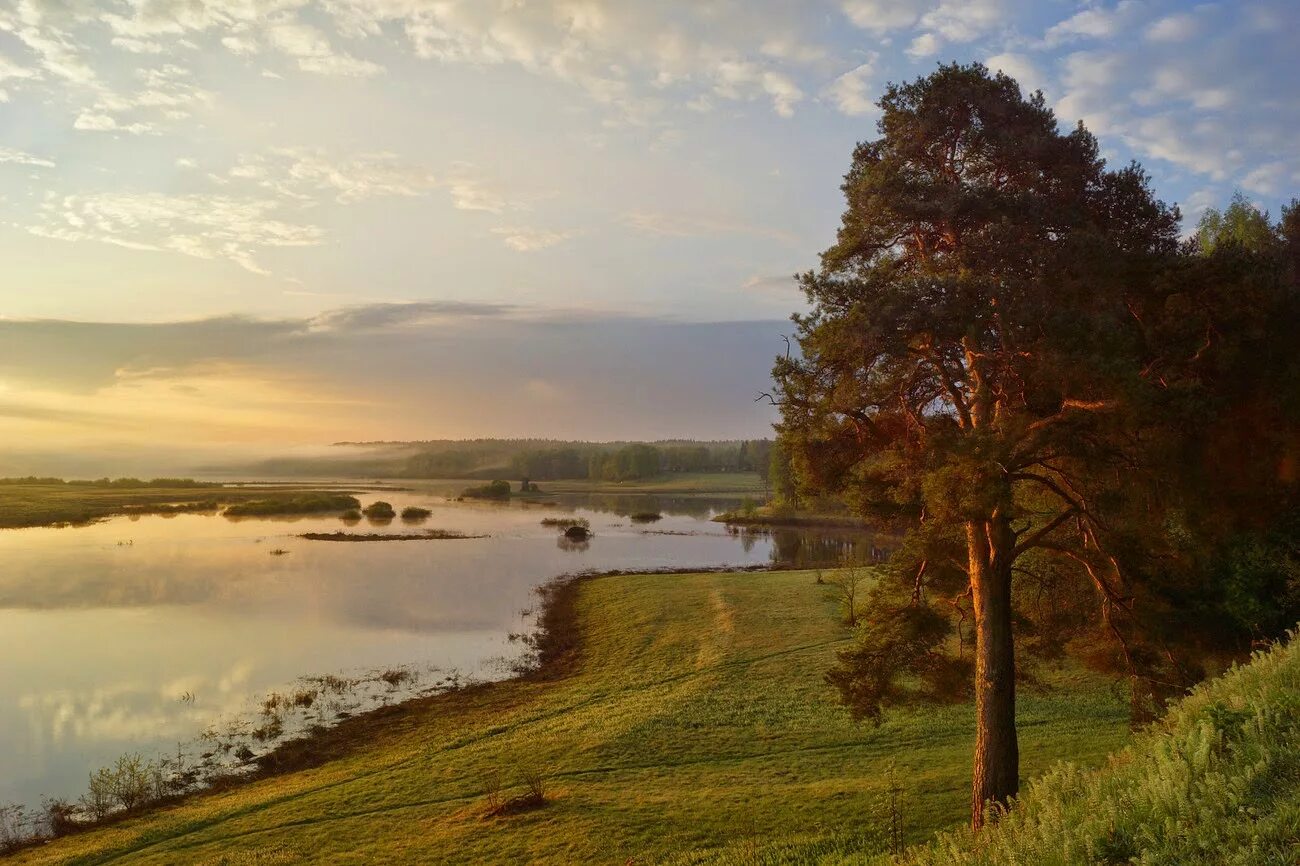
565,522
52,502
302,503
426,535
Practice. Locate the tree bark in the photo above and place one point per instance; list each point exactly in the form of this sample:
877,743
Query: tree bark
996,776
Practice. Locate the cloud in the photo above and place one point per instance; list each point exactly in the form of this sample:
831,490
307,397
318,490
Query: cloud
1200,93
685,225
1173,28
964,20
202,226
925,45
743,79
314,53
98,121
299,173
13,72
1023,69
1090,23
383,371
880,16
780,285
383,316
18,157
531,240
853,93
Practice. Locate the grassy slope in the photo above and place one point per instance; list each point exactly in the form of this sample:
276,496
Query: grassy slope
1216,782
696,717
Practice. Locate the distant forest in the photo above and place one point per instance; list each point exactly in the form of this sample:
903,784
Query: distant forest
535,459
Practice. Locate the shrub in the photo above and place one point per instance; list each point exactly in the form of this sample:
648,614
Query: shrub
15,828
379,510
60,817
494,490
414,512
645,517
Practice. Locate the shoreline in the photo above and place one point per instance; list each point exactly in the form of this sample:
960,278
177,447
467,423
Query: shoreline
793,521
555,647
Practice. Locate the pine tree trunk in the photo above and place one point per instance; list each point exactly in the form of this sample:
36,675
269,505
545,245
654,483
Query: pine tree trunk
996,776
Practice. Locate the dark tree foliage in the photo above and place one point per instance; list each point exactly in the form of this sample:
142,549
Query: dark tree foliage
967,353
1087,430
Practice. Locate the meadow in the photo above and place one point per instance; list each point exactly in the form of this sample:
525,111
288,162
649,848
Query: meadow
689,717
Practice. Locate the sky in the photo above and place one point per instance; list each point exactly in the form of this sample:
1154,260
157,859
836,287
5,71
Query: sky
265,223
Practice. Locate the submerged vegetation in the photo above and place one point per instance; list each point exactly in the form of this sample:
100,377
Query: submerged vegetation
566,522
426,535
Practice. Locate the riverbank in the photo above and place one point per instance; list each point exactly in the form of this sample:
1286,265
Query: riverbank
686,712
767,516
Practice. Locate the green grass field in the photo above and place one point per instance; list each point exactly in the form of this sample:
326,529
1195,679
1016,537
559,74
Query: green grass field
694,718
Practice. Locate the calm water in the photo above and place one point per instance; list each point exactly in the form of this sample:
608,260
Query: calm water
136,634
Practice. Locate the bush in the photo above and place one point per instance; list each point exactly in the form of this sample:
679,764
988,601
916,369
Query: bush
645,517
379,510
413,512
494,490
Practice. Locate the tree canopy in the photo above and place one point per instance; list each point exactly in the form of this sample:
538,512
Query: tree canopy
1005,346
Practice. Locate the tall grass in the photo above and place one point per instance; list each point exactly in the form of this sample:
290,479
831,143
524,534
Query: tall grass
1217,781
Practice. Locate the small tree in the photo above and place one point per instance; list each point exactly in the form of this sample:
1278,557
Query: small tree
847,584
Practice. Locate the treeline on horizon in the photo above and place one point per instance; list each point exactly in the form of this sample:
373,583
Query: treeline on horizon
535,459
110,483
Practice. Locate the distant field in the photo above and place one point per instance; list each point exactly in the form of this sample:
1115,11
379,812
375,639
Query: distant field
695,718
45,504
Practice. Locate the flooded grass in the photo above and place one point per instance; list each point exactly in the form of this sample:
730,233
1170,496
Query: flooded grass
306,503
426,535
565,522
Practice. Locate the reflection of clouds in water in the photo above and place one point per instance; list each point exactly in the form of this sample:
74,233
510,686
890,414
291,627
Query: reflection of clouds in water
134,711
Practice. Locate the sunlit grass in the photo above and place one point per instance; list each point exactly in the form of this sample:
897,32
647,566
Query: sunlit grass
696,717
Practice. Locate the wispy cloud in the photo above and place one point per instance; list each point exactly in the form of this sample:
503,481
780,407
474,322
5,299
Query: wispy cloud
203,226
522,239
18,157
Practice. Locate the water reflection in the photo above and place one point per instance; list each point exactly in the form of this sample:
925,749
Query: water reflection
137,632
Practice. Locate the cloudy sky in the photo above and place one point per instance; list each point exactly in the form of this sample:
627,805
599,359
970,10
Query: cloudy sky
290,221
